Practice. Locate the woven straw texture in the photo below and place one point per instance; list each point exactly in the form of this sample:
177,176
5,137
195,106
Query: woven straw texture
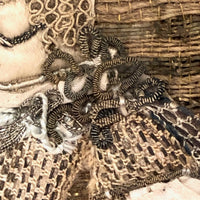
165,34
29,172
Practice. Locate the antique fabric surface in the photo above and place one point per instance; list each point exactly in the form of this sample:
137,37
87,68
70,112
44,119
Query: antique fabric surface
99,99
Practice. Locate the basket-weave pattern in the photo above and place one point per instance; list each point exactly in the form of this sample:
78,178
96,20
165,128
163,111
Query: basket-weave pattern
165,35
30,172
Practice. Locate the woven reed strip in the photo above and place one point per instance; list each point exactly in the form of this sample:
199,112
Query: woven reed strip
148,25
119,13
180,68
128,6
144,3
165,35
27,171
80,185
159,39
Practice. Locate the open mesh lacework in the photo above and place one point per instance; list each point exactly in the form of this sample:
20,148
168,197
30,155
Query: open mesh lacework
64,19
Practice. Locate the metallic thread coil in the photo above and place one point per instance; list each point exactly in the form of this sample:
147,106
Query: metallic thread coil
58,54
10,42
